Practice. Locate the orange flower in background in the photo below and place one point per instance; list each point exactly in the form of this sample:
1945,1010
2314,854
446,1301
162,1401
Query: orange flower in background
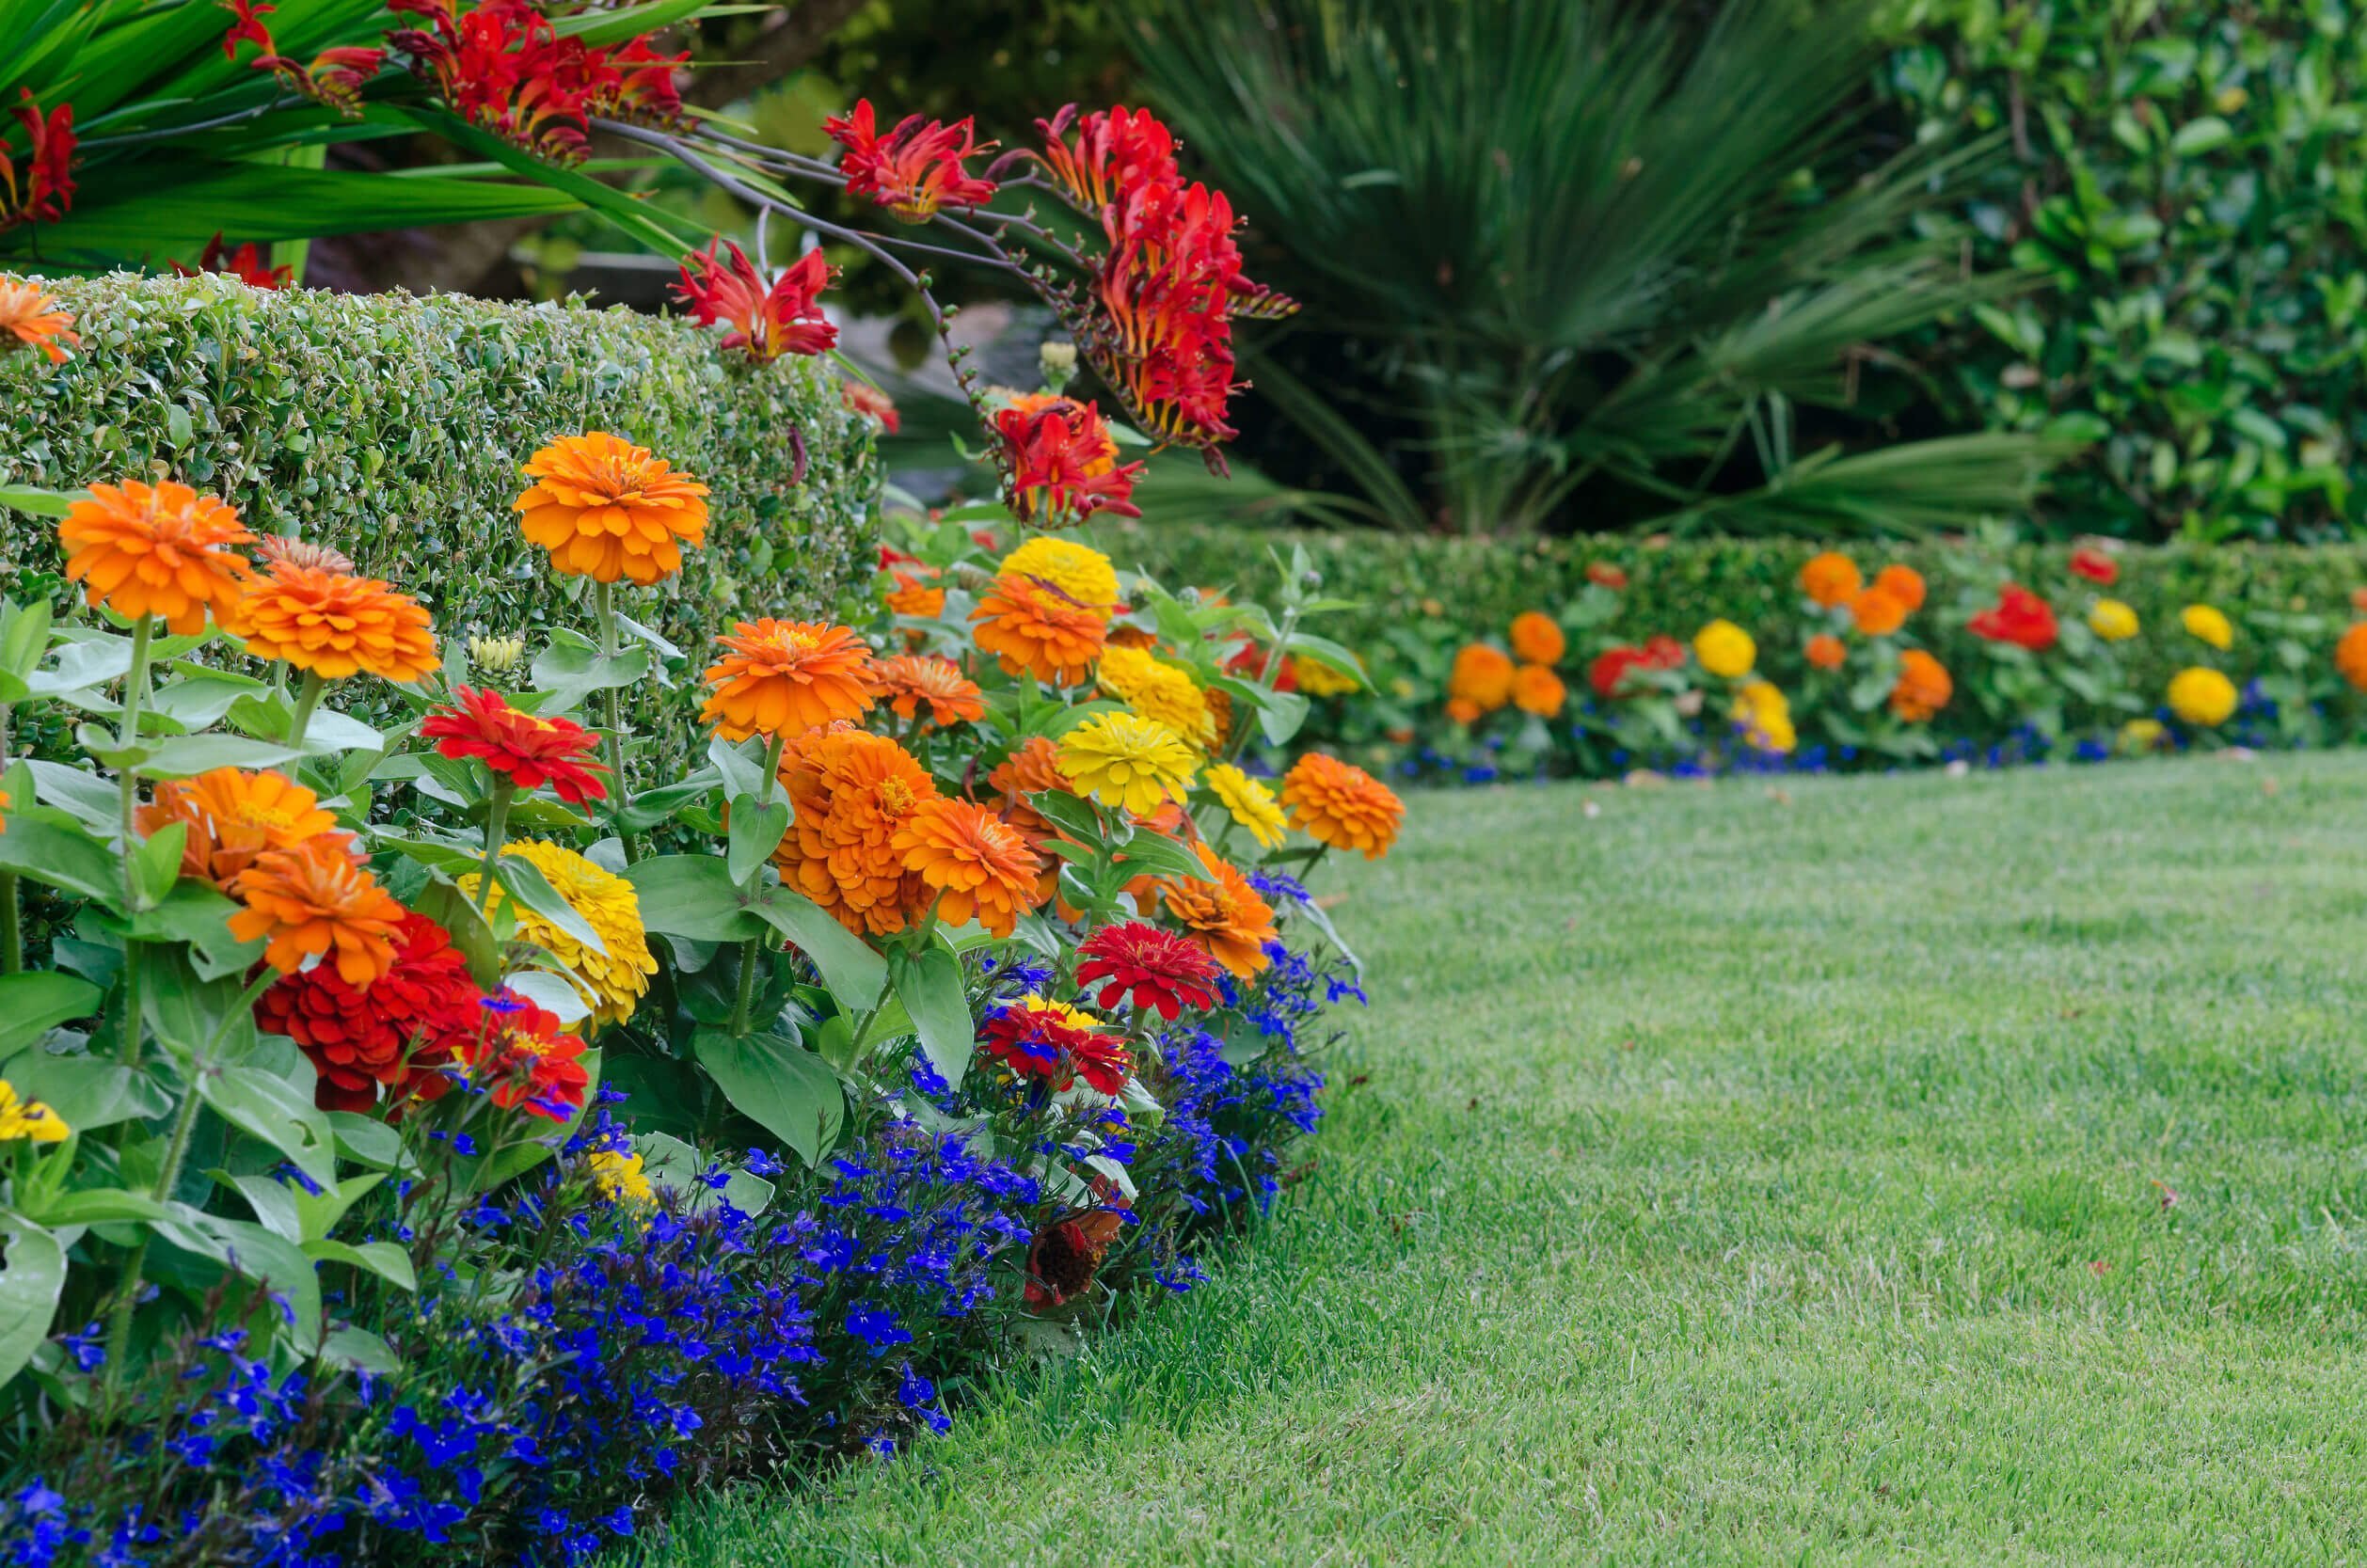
1903,583
312,901
274,548
1830,578
980,865
234,817
782,678
1482,677
143,550
1462,710
31,318
1338,803
1223,914
1826,651
607,510
909,681
1876,613
1537,690
852,793
1536,639
1033,627
336,625
2350,655
1602,574
912,596
2358,599
1923,688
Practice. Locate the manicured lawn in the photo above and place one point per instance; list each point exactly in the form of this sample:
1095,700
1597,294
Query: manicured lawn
1746,1176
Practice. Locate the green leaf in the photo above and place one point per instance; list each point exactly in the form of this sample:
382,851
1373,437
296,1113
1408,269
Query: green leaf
62,858
318,1213
1156,855
267,1106
929,986
525,882
855,973
36,503
756,833
571,669
366,1140
124,208
779,1085
89,1092
98,1206
33,1003
382,1258
691,897
740,763
156,864
184,756
30,1289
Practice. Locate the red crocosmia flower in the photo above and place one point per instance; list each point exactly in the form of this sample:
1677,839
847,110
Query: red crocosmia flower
335,77
1055,1044
913,170
871,402
1158,968
246,263
533,751
1060,464
503,66
765,323
518,1055
398,1033
2096,566
41,188
1115,154
2019,617
1604,575
648,85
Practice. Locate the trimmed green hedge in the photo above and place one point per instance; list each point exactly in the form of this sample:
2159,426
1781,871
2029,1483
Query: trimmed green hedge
392,427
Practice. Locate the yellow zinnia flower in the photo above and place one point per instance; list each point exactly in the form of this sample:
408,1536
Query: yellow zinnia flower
2112,621
1156,690
2207,624
611,983
1126,760
2143,735
1318,679
1251,803
1764,713
620,1177
1080,571
1726,650
28,1119
2202,696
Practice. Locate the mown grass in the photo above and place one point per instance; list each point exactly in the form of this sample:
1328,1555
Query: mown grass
1758,1175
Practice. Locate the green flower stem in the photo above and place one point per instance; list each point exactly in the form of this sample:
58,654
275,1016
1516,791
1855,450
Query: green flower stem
497,823
11,934
127,787
307,698
604,605
1266,681
751,948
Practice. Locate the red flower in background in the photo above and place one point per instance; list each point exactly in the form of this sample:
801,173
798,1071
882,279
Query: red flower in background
2019,617
398,1033
1158,968
518,1054
533,751
1248,663
2096,566
1609,672
767,324
871,402
1055,1044
1064,1256
1060,464
503,68
335,77
914,169
40,189
1602,574
246,263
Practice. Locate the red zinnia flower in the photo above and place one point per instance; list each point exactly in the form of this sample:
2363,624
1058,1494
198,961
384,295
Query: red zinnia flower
767,324
1609,671
1064,1256
1158,968
41,189
1060,464
533,751
2019,617
2096,566
397,1033
1055,1044
246,263
913,170
518,1054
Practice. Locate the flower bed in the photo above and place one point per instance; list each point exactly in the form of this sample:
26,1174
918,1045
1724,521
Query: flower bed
448,1137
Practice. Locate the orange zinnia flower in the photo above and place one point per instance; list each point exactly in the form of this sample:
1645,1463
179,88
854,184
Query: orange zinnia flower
1224,915
785,677
235,817
605,509
908,680
1536,639
912,596
1034,627
1826,651
1903,583
336,625
1032,769
1830,578
1482,677
1537,690
852,792
144,550
1876,613
980,865
314,900
1339,804
2350,655
1924,687
30,317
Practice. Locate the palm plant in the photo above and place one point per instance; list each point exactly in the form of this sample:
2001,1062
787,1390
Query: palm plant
1590,248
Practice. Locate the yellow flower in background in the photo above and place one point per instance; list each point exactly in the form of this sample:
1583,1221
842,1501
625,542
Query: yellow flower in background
620,1177
1251,803
2139,735
2202,696
1318,679
1764,715
1127,761
1156,690
611,983
1080,571
1726,650
28,1119
2113,621
2208,625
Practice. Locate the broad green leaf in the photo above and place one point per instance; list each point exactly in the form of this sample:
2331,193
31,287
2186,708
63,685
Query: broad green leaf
270,1108
525,882
691,897
33,1003
29,1288
88,1092
98,1206
366,1140
756,833
779,1085
929,986
384,1259
571,669
855,973
62,858
1156,855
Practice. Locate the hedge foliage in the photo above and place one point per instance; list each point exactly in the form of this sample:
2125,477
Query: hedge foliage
392,427
1473,588
2187,181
